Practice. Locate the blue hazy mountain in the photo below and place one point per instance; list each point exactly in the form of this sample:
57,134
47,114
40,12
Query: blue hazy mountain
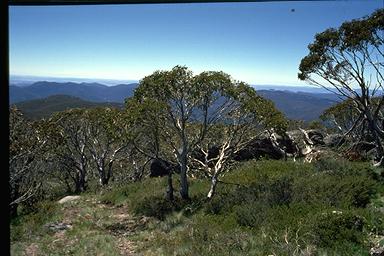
88,91
24,80
305,88
301,103
45,107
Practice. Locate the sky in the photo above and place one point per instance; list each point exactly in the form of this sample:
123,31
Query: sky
258,43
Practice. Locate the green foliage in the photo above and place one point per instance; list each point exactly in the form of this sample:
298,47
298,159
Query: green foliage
333,190
337,227
254,170
341,115
287,201
335,165
148,198
268,192
342,58
134,192
184,109
352,36
159,207
29,144
288,206
27,225
201,235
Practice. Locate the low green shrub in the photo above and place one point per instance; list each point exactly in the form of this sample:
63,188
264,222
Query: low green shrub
134,192
157,207
139,192
268,170
25,225
333,228
160,207
334,190
252,215
218,204
201,235
283,201
276,217
331,164
272,192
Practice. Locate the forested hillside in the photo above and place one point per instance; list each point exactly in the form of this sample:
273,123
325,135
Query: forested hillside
44,108
300,105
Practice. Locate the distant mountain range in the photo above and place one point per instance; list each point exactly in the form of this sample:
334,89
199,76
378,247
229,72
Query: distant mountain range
300,105
25,80
44,108
295,104
88,91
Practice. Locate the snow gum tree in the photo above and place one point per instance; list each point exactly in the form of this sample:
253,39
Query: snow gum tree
71,153
190,107
240,116
29,144
349,61
108,136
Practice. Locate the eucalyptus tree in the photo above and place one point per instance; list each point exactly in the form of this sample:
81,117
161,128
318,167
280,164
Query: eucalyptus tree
72,126
148,127
189,107
149,134
349,61
28,144
108,136
342,117
244,115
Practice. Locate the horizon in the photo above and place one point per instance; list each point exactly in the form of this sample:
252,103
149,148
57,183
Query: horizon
128,42
15,79
24,81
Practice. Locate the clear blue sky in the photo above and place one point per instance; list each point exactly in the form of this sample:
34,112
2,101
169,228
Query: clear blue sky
259,43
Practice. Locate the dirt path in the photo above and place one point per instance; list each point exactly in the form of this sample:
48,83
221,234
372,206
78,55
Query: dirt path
121,225
124,225
116,221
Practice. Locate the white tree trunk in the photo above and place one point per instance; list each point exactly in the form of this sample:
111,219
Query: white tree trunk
212,189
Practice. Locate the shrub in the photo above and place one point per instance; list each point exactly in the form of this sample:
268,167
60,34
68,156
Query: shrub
160,207
202,235
331,164
333,190
25,225
283,201
116,196
272,192
252,215
224,202
333,228
281,191
278,217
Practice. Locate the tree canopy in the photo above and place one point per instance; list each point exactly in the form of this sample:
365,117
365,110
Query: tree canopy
349,61
181,109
